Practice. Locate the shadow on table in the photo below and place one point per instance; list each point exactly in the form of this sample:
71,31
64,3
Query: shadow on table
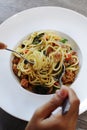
8,122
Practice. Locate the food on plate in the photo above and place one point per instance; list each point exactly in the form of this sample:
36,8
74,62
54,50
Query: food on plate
49,52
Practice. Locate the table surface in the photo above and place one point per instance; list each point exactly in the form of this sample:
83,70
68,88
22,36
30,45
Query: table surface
11,7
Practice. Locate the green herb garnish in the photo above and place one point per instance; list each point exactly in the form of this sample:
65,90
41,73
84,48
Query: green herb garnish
63,40
37,39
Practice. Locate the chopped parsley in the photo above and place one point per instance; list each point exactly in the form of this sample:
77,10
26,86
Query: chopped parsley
63,40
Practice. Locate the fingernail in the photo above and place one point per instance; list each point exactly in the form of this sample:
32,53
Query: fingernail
62,93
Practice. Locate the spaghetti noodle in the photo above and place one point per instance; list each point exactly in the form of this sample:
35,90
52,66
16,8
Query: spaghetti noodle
49,52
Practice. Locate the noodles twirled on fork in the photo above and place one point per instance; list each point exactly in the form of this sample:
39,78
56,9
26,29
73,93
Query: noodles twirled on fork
49,52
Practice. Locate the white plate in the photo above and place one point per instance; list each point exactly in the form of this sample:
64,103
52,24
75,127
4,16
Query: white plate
13,98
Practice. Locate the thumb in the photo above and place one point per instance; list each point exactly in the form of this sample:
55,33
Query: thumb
57,100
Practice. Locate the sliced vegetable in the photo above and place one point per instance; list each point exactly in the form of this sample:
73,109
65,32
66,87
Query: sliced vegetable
25,51
37,39
44,52
22,45
26,62
54,89
56,83
49,50
41,89
68,57
57,65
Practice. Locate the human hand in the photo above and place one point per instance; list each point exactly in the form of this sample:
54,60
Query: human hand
43,119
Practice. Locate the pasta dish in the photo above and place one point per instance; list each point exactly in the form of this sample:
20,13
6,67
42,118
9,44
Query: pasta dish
49,52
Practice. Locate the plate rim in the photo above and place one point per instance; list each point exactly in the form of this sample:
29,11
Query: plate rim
24,11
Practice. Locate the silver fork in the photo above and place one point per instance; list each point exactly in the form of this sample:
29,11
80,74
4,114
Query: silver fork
4,46
66,104
61,75
27,61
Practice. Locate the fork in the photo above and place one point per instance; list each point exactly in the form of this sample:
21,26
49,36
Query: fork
61,75
4,46
27,61
66,104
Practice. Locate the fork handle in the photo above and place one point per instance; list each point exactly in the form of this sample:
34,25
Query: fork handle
65,106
